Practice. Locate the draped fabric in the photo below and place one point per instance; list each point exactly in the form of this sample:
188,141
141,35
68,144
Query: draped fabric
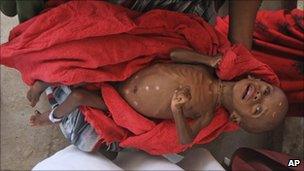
99,43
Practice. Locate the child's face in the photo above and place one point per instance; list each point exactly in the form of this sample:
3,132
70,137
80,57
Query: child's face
258,104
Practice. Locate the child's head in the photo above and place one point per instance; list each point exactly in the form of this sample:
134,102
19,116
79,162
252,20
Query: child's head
258,106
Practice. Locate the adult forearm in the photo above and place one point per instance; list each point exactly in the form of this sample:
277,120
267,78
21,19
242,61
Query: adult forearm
242,14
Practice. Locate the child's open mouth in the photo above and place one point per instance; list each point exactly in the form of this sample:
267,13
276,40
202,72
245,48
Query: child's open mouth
248,92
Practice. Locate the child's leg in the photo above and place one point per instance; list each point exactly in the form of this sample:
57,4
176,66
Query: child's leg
35,92
78,97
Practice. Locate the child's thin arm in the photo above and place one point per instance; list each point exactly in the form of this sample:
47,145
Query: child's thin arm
191,57
185,132
201,122
80,97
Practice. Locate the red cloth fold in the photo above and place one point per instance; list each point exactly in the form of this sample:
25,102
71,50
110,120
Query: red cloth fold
279,43
96,42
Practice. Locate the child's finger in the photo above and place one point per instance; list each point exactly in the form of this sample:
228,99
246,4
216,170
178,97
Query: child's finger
33,103
28,96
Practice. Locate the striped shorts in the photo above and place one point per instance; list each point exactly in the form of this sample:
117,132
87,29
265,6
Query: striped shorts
74,127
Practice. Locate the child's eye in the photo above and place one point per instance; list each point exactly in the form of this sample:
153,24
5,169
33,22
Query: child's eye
266,91
258,110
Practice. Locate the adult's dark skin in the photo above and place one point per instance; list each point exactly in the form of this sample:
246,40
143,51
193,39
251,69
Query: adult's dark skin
242,18
242,15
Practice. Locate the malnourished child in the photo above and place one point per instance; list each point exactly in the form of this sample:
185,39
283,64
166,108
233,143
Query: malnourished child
181,92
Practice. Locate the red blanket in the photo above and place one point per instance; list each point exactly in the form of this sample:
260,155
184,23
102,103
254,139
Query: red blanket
279,42
96,42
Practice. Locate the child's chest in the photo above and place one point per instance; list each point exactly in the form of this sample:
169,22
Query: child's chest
150,91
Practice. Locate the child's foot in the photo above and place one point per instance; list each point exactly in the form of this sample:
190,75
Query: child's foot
40,119
180,97
35,92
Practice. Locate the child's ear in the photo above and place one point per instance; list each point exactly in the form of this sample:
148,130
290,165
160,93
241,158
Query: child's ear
235,117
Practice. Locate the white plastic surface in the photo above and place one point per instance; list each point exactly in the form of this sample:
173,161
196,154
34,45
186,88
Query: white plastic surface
71,158
136,160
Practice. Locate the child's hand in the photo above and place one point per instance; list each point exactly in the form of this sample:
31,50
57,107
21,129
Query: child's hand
214,62
180,97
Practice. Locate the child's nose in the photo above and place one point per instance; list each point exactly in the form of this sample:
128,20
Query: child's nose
257,96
